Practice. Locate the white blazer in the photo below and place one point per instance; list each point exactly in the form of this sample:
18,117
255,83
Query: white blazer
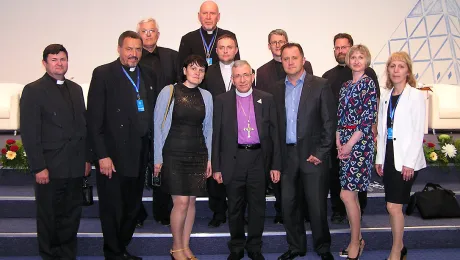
408,130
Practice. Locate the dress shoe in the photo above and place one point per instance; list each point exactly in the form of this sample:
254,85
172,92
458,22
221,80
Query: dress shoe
288,255
163,221
326,256
129,256
337,218
139,224
256,256
216,222
236,255
278,220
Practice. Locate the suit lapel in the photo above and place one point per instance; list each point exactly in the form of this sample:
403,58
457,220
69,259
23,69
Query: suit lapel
233,113
273,75
124,86
306,90
55,95
221,84
258,110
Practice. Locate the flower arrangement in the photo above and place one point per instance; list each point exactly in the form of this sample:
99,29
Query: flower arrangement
14,156
447,152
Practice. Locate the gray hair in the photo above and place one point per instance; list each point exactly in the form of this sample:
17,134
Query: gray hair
278,32
241,63
147,20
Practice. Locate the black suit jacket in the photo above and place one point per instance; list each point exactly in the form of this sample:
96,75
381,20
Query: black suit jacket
191,43
316,120
53,137
170,69
267,75
225,132
214,82
112,113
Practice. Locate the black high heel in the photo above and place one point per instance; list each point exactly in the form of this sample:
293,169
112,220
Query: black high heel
360,252
344,252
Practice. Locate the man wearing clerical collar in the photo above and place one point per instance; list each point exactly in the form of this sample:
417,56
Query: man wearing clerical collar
53,131
202,41
120,110
245,146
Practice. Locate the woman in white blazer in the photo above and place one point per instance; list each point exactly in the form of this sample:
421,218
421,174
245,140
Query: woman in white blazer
401,122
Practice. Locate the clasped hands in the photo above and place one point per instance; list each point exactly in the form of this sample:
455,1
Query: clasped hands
343,151
274,175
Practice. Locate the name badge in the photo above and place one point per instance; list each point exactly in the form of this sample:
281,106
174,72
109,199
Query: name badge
140,105
209,61
390,133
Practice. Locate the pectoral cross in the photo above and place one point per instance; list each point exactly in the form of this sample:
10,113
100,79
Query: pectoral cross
248,129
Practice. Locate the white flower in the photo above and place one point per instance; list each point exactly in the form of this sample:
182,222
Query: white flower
449,150
10,155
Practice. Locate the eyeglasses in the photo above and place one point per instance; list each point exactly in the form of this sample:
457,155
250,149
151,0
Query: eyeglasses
245,76
149,31
338,48
280,43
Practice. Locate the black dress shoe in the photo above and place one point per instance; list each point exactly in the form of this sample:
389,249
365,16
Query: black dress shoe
216,222
163,221
256,256
337,218
288,255
326,256
129,256
236,255
278,220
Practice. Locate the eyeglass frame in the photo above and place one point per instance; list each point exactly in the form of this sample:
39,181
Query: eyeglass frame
280,43
245,76
341,48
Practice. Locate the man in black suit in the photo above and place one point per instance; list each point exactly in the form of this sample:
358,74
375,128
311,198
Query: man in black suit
245,146
202,41
163,61
120,107
336,77
273,71
267,75
53,132
218,80
307,112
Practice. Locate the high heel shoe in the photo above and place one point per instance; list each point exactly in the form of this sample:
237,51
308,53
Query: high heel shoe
360,252
192,257
344,252
403,254
171,252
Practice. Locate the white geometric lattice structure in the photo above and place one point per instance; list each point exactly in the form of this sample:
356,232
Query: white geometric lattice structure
431,35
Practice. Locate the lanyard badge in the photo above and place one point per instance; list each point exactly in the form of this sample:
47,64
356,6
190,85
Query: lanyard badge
139,101
208,48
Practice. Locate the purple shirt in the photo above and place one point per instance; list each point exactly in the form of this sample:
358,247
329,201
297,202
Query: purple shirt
246,134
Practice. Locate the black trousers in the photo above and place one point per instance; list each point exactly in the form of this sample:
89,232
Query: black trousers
335,187
59,206
277,205
161,206
314,180
120,200
217,198
247,186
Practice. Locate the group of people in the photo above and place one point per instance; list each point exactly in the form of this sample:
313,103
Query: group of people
210,126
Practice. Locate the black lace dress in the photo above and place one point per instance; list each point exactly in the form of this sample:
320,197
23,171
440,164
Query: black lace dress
185,156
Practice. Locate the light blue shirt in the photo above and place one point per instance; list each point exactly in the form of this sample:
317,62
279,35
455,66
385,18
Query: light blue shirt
160,133
292,99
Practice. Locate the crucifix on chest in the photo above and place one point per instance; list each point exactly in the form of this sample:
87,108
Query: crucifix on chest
248,129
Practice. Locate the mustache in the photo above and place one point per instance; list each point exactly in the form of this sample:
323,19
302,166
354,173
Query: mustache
133,58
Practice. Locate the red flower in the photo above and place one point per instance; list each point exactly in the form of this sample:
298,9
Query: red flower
424,141
4,151
10,141
14,148
431,145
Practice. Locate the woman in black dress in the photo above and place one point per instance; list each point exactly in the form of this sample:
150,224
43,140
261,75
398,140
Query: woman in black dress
401,123
182,149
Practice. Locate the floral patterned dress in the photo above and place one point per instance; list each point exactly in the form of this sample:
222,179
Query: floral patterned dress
357,111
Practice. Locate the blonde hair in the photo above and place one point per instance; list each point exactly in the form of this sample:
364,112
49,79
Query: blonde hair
404,57
359,48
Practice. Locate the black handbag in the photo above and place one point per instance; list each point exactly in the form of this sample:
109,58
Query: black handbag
87,193
434,202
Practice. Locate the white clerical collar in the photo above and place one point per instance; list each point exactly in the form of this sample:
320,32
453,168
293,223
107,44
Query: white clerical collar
132,69
59,82
225,66
247,94
343,65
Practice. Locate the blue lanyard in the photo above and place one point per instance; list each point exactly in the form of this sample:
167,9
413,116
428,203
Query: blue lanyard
136,86
392,110
207,48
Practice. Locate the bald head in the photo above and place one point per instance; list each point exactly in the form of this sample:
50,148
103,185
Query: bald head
209,15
